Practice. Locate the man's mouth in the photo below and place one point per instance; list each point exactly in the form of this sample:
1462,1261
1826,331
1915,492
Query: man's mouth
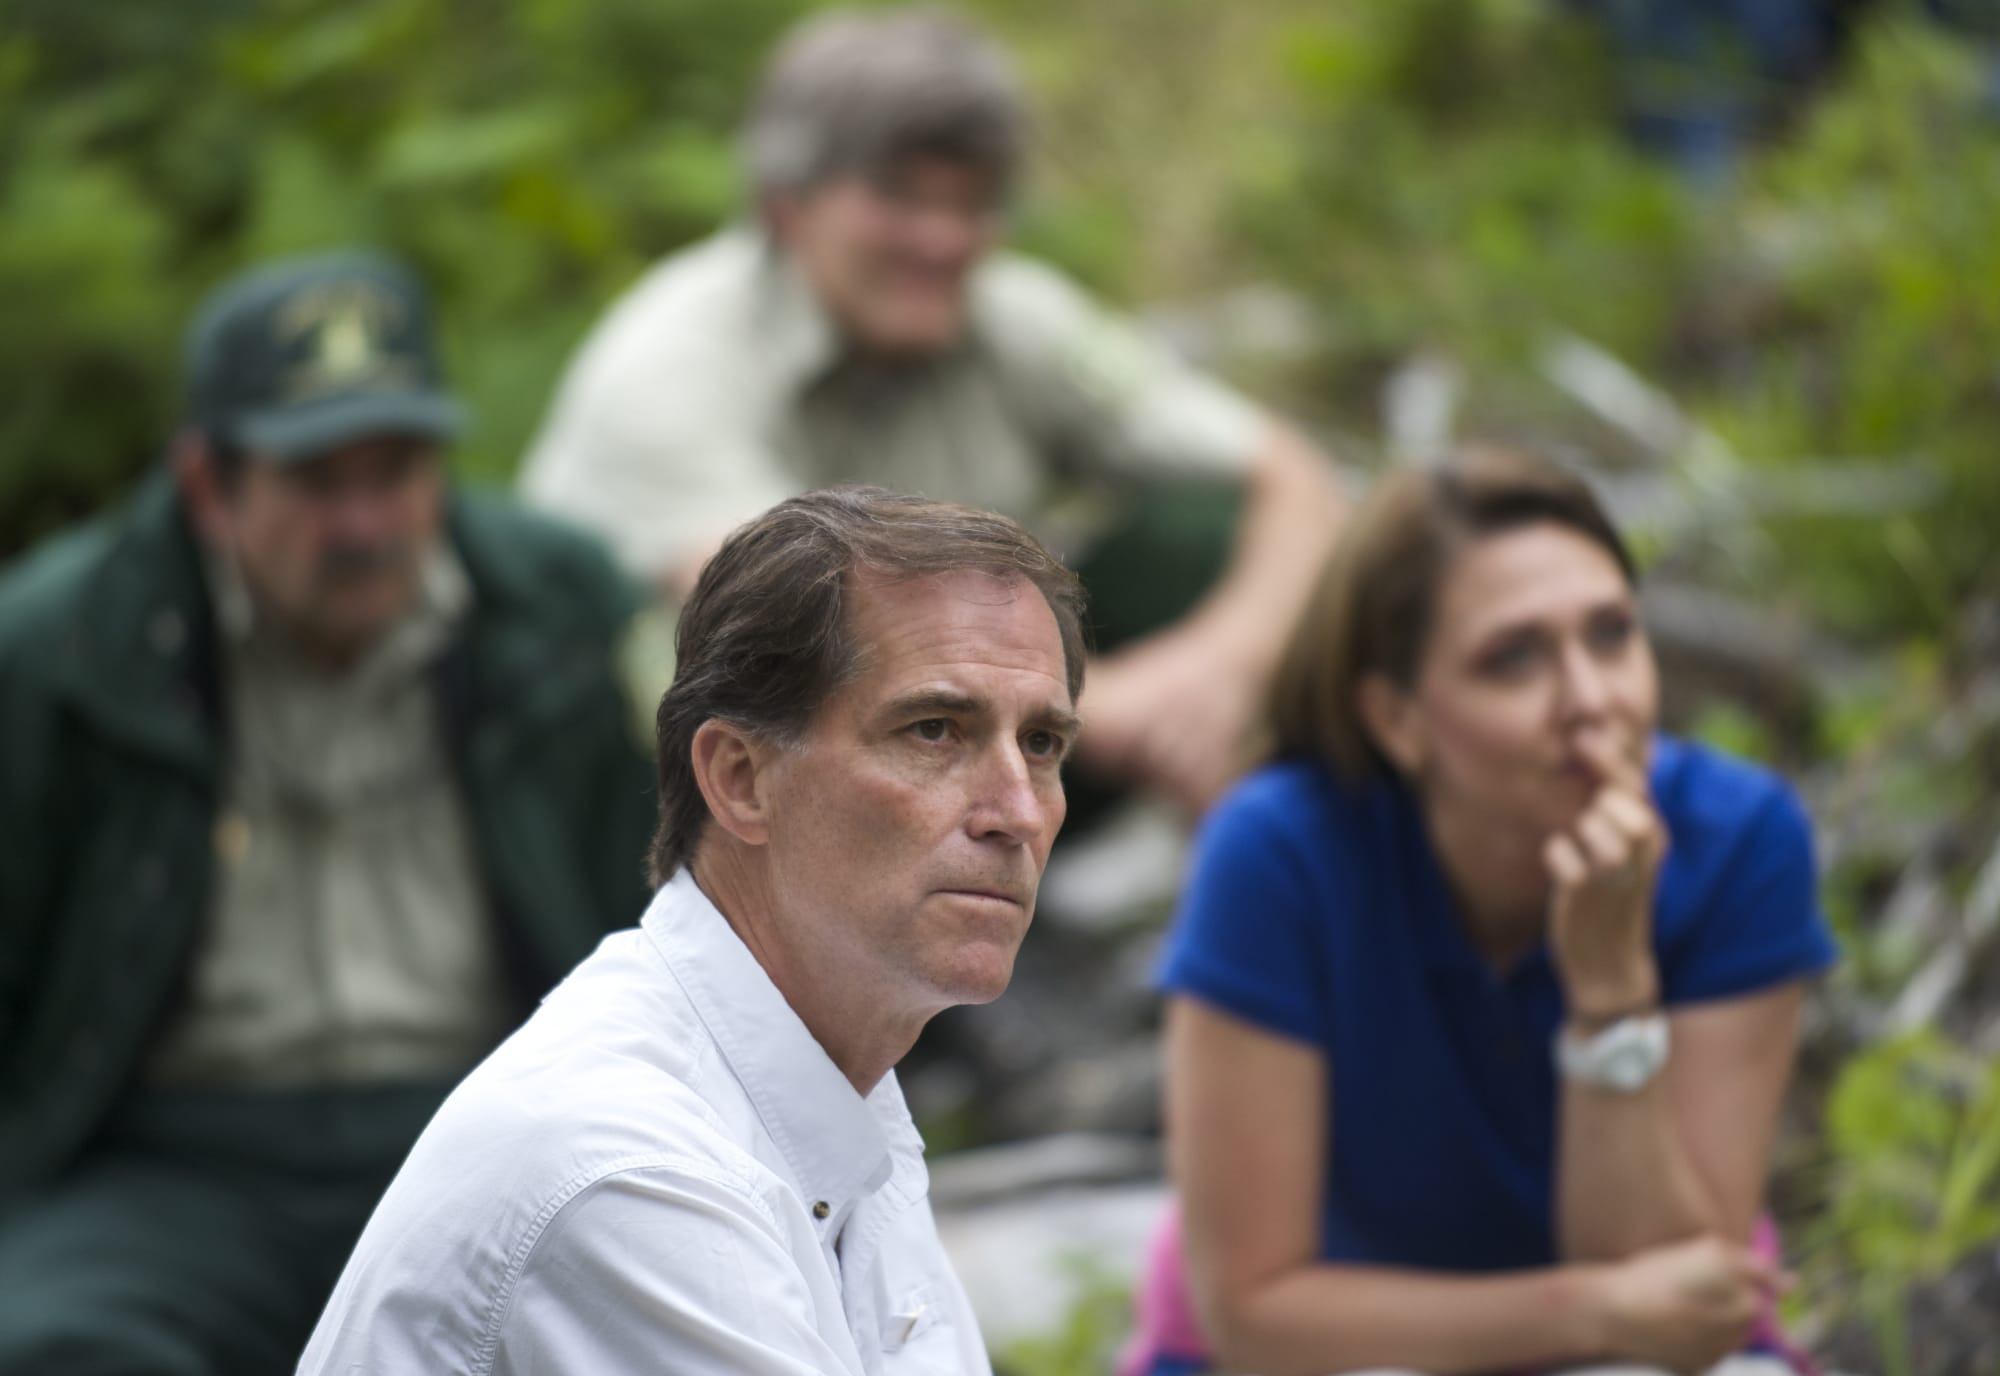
991,895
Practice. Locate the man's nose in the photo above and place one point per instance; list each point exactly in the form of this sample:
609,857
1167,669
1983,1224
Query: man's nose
949,233
1013,801
359,514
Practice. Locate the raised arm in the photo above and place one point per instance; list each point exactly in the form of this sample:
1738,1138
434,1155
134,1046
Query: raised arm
1172,709
1686,1153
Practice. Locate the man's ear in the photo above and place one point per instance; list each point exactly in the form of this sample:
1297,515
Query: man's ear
201,486
1393,721
730,768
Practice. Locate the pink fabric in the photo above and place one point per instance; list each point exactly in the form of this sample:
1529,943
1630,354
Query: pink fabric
1165,1324
1163,1313
1765,1243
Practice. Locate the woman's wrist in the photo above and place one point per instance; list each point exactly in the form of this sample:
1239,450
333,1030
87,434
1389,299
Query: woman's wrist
1598,1002
1589,1320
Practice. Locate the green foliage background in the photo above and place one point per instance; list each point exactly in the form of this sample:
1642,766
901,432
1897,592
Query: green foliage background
1441,175
1436,173
530,157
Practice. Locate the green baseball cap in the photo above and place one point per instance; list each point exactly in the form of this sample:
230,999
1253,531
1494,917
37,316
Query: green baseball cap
301,356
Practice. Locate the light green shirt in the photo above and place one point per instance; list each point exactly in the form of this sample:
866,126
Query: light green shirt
348,941
717,387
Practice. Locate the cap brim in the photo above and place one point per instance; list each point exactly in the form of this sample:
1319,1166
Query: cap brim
299,432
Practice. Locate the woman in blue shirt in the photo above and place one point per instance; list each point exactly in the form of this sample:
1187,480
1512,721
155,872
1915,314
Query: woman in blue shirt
1484,995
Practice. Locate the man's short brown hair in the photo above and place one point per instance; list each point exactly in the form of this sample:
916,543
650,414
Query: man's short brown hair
851,92
766,639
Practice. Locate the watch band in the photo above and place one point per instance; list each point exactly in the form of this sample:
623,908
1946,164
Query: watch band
1624,1056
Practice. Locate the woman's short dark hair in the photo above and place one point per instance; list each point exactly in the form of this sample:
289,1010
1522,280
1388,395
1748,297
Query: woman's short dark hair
1372,610
766,638
853,91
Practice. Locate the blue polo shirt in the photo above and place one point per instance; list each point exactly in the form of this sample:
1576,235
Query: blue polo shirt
1318,912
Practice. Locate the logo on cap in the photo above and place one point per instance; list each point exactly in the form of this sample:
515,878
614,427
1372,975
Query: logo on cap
342,335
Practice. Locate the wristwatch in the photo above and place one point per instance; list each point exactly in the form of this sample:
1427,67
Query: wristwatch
1624,1056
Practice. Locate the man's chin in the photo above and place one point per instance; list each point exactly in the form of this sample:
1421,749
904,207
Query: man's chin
982,983
348,633
978,969
914,334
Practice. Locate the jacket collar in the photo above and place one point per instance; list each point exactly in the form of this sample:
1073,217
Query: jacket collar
138,655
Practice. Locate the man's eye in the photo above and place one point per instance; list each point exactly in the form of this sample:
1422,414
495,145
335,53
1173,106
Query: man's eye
1042,744
1511,659
931,729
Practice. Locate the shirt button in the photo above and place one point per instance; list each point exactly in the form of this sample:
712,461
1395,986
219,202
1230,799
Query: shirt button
821,1208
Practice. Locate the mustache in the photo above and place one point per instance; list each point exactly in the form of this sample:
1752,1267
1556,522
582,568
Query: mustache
366,559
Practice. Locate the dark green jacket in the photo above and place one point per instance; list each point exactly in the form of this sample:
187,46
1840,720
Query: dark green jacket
111,743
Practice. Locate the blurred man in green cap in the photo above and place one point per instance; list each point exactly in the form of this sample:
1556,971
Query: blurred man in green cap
316,774
863,325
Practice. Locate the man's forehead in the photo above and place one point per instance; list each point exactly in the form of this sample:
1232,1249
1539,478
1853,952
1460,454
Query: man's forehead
872,583
890,606
905,627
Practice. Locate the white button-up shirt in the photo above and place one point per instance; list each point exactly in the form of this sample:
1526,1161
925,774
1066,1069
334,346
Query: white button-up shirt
661,1172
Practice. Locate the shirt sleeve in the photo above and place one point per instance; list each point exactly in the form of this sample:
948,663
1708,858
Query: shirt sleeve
658,438
1249,937
1760,922
663,1269
1101,389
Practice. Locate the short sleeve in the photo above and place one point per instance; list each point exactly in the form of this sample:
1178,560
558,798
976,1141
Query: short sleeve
1101,389
1758,922
1248,938
659,437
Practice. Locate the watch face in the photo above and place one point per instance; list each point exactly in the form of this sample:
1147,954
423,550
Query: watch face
1629,1065
1624,1056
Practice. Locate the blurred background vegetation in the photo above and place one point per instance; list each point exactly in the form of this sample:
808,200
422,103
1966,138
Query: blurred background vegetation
1431,179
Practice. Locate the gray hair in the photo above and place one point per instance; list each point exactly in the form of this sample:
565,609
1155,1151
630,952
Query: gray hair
764,639
852,91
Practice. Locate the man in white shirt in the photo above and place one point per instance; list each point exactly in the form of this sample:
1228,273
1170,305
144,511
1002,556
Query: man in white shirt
695,1157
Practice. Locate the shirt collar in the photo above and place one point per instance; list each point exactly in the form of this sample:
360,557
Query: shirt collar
1441,938
797,336
838,1144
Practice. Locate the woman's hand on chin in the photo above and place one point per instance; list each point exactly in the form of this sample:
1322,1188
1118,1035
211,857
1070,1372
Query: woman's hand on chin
1602,869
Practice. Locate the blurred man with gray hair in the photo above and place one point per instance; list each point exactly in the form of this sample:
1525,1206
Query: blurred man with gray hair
862,327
